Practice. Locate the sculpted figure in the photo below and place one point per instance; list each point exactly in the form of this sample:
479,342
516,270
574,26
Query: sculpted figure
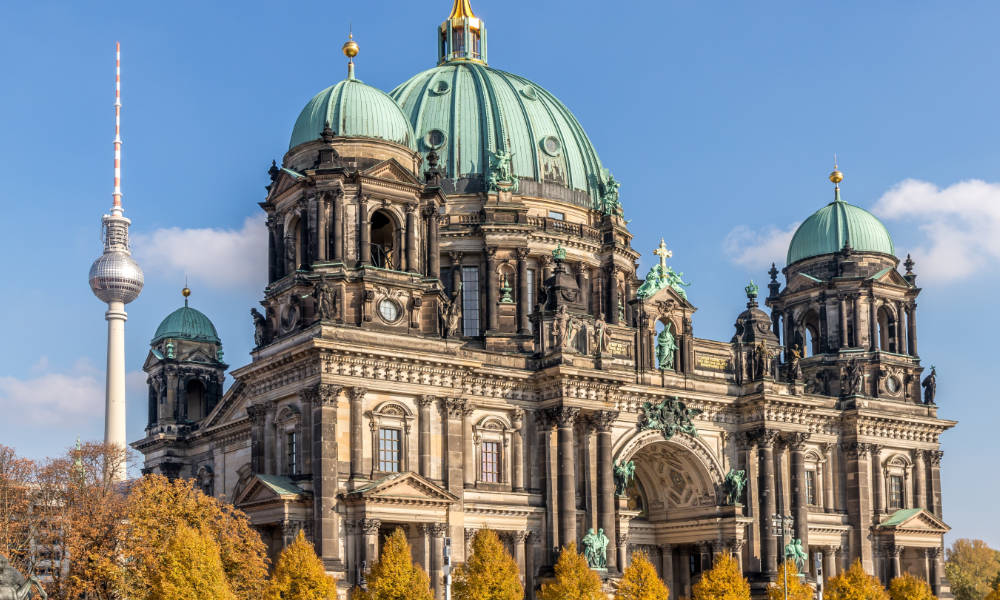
794,369
450,313
560,325
795,551
930,386
733,486
856,378
623,472
326,300
602,337
665,347
14,586
259,327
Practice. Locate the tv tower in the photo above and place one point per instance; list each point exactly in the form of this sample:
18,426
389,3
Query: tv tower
117,280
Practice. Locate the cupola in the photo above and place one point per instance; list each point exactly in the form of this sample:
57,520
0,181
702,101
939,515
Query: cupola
462,36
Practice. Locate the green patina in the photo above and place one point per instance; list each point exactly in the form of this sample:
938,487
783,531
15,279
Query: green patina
187,323
283,486
900,516
833,226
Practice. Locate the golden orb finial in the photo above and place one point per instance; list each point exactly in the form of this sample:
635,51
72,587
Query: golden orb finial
350,47
186,291
836,176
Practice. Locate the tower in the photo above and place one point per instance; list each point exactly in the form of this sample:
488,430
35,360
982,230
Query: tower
117,280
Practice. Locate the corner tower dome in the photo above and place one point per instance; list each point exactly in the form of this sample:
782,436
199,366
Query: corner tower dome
838,223
466,111
187,323
352,108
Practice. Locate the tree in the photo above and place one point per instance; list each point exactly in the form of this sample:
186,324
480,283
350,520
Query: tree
910,587
797,590
394,576
19,524
995,592
640,582
157,508
489,573
299,575
724,581
854,584
190,569
971,566
574,579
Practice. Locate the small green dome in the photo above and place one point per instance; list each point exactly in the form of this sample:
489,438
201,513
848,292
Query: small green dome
353,109
465,110
187,323
827,230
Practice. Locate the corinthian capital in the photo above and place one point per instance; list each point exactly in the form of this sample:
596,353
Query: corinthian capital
604,419
796,441
564,416
358,393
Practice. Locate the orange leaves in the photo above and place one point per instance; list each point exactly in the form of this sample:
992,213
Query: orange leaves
490,573
724,581
394,576
640,582
854,584
299,575
574,579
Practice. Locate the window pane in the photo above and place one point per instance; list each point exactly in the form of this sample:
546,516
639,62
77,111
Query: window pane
557,215
895,491
292,453
811,487
388,450
470,301
491,462
531,290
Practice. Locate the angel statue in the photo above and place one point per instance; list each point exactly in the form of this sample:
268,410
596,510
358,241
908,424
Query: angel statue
733,486
624,472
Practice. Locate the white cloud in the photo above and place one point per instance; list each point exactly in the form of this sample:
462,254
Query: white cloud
54,399
960,223
217,258
758,248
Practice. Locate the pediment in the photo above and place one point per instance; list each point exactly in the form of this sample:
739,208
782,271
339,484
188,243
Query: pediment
264,489
670,297
286,179
405,488
232,407
153,357
393,171
891,277
800,281
915,520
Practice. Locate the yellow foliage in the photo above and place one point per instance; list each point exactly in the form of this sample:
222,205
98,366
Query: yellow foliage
854,584
574,579
490,573
394,576
190,569
724,581
157,507
995,592
640,582
910,587
299,575
797,590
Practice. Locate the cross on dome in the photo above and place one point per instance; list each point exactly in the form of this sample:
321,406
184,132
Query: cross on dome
663,253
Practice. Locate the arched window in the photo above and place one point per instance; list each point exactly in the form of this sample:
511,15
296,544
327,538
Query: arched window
810,334
385,253
194,393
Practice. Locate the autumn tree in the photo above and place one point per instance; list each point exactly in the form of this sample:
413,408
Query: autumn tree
19,522
910,587
971,566
489,573
157,508
394,576
574,579
797,589
190,569
854,584
640,582
724,581
995,592
299,575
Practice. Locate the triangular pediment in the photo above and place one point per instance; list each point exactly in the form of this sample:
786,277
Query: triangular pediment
263,489
914,520
890,276
285,180
800,281
405,487
391,170
232,407
670,297
152,358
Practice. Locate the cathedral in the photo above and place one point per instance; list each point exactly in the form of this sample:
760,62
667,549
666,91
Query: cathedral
454,336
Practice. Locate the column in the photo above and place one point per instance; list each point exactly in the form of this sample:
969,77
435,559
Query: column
797,446
411,238
326,478
523,308
322,227
900,330
895,551
829,562
622,550
256,413
911,327
565,418
456,272
470,453
433,242
492,290
338,227
919,480
603,422
369,540
768,502
829,504
270,444
453,411
530,548
843,322
878,481
872,324
856,304
935,499
516,450
517,543
934,557
365,231
667,562
357,396
685,573
611,315
424,434
436,532
736,549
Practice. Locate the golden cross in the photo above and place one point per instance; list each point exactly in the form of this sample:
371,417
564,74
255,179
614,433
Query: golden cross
663,253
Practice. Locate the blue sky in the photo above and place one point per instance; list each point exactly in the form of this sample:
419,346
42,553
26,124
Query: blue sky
720,120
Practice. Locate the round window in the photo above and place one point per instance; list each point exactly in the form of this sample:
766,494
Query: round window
441,87
434,139
529,93
892,385
388,310
551,145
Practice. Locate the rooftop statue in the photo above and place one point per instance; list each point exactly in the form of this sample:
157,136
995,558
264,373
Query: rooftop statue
669,417
661,276
930,386
609,203
502,172
14,586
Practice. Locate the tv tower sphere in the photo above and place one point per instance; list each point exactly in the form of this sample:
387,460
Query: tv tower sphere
115,277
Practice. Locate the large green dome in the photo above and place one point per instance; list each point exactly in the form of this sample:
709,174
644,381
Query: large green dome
829,228
187,323
352,109
465,110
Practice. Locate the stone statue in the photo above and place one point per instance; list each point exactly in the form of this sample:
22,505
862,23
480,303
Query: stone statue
665,347
669,417
595,549
560,324
326,300
602,337
259,327
14,586
795,551
930,386
733,486
794,368
623,472
450,313
855,378
502,172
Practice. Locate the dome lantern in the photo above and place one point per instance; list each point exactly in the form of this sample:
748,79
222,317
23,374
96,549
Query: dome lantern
462,36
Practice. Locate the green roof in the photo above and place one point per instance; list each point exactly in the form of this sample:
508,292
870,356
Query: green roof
900,516
353,109
187,323
465,111
829,228
283,486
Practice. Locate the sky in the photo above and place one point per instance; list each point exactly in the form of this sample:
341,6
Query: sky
721,120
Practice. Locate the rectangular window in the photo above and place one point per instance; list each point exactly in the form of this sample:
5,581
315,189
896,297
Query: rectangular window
470,301
531,290
388,450
557,215
292,452
896,491
811,488
491,462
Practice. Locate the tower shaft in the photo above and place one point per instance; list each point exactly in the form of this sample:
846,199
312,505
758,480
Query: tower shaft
114,399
